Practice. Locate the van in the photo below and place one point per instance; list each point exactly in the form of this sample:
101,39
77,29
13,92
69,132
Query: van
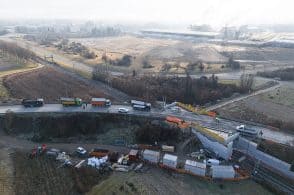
212,162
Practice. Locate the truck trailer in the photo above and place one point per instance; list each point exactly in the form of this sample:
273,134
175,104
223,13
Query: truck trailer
33,103
140,105
100,102
71,101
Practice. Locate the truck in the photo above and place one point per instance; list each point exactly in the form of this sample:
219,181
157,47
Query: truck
140,105
71,101
100,102
32,103
248,132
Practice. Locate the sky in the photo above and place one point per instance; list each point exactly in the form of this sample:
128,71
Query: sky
214,12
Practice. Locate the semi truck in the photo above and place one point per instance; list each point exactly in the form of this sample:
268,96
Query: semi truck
33,103
140,105
100,102
71,101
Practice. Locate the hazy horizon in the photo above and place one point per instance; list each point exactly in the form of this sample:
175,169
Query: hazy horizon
213,12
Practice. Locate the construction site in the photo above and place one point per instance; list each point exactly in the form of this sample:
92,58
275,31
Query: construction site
120,106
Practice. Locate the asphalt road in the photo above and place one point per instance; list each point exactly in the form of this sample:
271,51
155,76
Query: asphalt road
203,120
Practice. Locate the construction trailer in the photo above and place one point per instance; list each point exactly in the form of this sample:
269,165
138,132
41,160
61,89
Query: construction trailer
100,102
196,168
151,156
170,161
222,172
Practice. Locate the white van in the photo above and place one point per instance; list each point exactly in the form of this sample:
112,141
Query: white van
211,162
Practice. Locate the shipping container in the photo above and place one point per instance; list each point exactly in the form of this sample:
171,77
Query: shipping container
151,156
195,167
166,148
222,172
170,160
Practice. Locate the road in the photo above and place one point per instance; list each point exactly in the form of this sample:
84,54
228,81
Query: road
203,120
213,107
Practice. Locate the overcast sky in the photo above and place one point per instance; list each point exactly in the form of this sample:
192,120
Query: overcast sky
214,12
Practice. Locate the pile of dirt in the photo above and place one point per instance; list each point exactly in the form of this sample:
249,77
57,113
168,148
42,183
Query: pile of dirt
49,84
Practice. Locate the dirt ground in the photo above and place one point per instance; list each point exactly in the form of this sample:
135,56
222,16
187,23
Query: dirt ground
49,84
157,181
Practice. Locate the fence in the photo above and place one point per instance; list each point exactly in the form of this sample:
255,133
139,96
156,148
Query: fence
250,148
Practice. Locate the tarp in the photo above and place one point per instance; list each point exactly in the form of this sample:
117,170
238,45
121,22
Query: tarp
97,162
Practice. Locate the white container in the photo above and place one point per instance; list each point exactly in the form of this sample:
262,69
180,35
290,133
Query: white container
166,148
223,172
195,167
170,160
151,156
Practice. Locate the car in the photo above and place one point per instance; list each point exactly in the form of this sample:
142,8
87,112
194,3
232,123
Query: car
81,151
123,110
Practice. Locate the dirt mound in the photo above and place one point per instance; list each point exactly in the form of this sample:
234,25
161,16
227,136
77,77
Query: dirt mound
49,84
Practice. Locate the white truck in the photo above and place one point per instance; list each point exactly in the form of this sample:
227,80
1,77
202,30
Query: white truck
248,132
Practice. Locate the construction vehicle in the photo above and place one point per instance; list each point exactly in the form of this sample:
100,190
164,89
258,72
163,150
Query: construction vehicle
97,152
100,102
139,105
176,121
37,151
32,103
71,101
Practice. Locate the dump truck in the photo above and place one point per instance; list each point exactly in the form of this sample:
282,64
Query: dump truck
98,152
100,102
71,101
32,103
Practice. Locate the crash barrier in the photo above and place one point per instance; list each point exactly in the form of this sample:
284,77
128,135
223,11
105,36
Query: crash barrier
193,109
250,148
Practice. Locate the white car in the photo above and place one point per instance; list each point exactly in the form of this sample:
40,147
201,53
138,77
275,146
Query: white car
81,151
123,110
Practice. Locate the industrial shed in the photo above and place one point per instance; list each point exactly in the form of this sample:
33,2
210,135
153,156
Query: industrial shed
151,156
222,171
195,167
170,160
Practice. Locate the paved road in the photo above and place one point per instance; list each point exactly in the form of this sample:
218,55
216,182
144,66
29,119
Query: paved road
204,120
